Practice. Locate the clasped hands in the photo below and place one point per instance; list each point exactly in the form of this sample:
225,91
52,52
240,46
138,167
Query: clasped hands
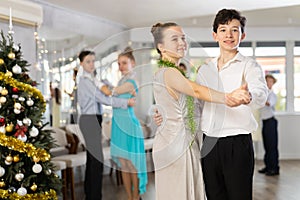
108,92
238,97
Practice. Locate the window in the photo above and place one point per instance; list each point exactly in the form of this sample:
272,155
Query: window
276,67
297,76
108,69
271,57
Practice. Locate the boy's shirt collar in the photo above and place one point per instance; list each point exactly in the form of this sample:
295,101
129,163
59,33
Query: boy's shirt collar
237,57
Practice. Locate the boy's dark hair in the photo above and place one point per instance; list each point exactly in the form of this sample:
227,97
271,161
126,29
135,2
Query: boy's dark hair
84,53
225,16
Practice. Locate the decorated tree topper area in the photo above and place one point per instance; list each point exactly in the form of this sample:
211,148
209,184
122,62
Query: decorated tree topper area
25,168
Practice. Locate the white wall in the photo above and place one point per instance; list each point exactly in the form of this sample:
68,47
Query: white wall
288,137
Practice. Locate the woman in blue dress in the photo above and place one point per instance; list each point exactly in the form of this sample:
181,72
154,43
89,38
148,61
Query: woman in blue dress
127,138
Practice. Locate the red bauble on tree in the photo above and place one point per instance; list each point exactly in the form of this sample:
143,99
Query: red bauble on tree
2,121
15,90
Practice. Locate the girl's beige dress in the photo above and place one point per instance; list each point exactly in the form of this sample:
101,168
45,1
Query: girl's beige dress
178,173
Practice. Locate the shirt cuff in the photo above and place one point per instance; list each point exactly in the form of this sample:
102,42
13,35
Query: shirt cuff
99,84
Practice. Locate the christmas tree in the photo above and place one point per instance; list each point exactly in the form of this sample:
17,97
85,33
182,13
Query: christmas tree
25,168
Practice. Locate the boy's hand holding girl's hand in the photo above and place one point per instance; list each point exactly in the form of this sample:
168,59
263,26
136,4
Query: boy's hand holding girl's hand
238,96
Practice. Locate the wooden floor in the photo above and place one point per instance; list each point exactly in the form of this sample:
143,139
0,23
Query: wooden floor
286,186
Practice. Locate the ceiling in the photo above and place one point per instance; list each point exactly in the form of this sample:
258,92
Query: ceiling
137,13
127,14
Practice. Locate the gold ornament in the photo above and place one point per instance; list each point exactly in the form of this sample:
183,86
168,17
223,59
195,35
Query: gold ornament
4,92
11,55
2,184
1,61
8,74
33,187
35,159
9,128
9,158
16,158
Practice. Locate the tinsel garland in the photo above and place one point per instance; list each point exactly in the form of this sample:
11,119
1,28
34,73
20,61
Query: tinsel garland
22,147
51,195
24,87
189,99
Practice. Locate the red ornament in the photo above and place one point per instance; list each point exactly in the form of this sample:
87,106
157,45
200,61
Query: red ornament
2,121
15,90
21,130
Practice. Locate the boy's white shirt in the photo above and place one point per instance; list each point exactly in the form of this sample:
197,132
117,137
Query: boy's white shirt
219,120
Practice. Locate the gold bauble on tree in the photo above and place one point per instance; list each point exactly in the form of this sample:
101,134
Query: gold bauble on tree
33,187
35,159
8,74
1,61
16,158
11,55
9,128
2,184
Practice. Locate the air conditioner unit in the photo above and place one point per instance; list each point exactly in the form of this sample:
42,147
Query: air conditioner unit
23,12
